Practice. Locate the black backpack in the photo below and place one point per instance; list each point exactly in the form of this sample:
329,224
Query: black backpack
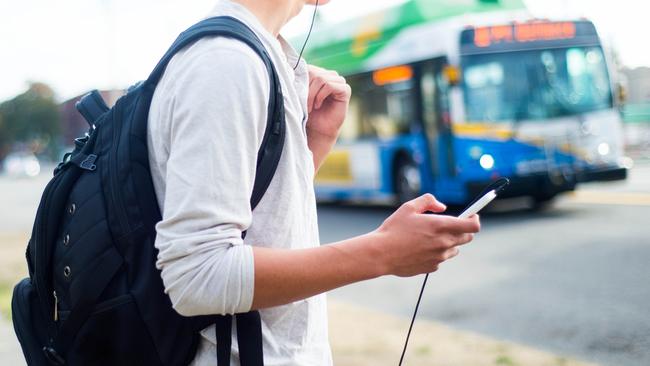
94,295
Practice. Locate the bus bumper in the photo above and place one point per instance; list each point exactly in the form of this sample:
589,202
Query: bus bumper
603,174
536,185
543,185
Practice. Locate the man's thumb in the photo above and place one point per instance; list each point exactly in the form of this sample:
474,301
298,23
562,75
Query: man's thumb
427,202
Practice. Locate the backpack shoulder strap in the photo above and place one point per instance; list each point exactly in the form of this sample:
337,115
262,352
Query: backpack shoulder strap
273,140
249,328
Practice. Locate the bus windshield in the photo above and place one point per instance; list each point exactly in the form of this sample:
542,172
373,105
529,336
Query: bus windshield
533,85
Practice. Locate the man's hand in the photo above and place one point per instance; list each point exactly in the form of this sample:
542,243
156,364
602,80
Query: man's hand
408,243
327,103
411,242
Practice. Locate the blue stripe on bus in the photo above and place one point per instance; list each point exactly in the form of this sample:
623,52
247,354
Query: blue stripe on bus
447,186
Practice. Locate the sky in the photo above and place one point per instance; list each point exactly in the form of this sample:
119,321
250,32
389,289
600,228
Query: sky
79,45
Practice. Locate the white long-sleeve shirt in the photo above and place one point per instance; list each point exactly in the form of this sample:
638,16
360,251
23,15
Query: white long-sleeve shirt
206,123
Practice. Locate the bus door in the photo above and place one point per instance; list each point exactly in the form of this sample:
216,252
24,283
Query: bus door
436,116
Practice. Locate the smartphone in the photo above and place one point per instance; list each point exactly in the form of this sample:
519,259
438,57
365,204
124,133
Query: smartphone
488,195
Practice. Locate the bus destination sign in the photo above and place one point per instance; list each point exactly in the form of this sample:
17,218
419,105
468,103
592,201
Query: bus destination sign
526,35
523,32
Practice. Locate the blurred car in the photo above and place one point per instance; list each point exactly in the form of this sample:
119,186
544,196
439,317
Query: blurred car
21,164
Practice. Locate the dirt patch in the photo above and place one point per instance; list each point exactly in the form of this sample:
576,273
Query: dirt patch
13,266
12,255
362,337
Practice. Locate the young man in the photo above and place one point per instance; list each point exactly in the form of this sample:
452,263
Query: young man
206,124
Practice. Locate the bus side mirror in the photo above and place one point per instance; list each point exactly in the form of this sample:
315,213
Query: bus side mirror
452,74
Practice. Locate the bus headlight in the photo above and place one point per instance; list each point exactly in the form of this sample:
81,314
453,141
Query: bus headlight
486,161
603,148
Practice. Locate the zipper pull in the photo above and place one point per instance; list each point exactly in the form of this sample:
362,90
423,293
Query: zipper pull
89,163
56,307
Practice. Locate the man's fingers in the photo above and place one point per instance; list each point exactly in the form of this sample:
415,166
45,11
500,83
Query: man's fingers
314,68
471,224
464,239
314,88
323,93
426,202
315,71
450,253
456,225
339,91
326,83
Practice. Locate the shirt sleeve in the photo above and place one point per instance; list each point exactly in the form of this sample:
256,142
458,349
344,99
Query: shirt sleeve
219,92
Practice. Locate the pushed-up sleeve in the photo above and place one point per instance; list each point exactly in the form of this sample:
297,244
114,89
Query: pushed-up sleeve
219,97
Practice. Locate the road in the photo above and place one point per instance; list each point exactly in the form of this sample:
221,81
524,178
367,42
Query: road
571,280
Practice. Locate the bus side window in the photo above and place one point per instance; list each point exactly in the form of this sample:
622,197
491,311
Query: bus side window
387,110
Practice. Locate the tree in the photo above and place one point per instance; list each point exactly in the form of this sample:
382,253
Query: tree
31,119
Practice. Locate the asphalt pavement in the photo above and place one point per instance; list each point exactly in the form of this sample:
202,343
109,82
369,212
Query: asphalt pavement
571,280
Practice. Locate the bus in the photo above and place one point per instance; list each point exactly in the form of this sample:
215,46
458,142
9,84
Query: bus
450,95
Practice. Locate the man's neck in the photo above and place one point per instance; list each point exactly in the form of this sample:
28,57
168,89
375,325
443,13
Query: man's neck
267,12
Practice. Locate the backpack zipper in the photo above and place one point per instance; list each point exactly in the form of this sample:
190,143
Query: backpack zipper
56,307
40,241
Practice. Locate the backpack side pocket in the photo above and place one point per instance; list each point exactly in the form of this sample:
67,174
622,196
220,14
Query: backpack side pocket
29,323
